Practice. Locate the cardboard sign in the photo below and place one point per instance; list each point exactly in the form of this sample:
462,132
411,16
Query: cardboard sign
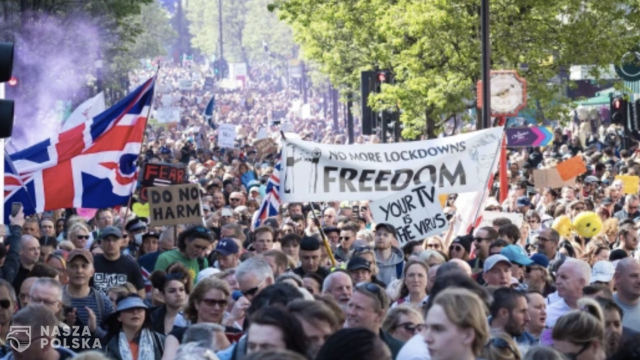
415,212
160,175
185,85
226,135
265,147
550,178
489,216
175,205
630,183
571,168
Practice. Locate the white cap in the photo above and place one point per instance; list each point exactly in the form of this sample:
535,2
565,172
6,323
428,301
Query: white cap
206,273
603,271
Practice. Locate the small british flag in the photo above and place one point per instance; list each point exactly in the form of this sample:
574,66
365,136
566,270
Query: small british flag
271,203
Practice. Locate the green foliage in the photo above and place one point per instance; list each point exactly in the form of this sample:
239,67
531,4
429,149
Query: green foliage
246,24
433,47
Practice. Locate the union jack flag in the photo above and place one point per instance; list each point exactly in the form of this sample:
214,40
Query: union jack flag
271,203
92,165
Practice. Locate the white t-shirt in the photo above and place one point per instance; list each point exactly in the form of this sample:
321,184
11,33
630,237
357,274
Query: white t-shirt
414,349
555,311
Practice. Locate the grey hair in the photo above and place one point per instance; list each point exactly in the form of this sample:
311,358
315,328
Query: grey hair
426,255
326,285
12,292
256,266
50,282
202,335
77,227
35,316
584,269
192,351
290,276
631,197
167,235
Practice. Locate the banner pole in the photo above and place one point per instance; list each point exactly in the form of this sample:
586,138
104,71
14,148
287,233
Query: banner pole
504,180
325,242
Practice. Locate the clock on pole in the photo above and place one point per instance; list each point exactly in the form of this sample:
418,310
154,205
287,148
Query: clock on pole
508,93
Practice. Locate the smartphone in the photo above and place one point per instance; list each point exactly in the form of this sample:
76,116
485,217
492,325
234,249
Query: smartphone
355,209
15,208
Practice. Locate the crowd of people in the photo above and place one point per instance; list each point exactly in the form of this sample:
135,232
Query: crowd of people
110,286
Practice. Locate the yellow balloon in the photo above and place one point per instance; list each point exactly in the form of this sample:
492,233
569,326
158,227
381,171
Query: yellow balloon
562,224
141,210
587,224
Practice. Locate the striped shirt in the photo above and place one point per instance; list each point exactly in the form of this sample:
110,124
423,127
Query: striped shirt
91,302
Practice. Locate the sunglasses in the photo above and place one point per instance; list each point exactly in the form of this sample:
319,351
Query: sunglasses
410,327
85,237
5,303
456,248
433,246
582,209
363,249
479,239
231,199
372,288
344,238
253,290
533,221
202,229
213,302
574,356
502,344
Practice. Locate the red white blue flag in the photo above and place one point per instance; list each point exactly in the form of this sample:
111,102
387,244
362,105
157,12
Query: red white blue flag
271,203
92,165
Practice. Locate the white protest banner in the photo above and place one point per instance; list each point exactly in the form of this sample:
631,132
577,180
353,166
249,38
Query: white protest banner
415,212
325,172
166,115
166,100
286,127
489,216
185,84
174,205
262,133
226,135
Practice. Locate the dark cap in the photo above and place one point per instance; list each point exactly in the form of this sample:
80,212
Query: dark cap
606,201
390,228
110,231
309,244
136,224
617,254
540,259
272,222
84,253
523,201
465,241
227,247
358,262
152,234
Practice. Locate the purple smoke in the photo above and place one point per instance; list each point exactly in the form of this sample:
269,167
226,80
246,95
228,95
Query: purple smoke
53,61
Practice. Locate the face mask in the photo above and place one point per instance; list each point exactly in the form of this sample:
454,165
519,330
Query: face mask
138,239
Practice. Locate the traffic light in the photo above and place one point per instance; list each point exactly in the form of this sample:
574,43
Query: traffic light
371,82
618,110
6,106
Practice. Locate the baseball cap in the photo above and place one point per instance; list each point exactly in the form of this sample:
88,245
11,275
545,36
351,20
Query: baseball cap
152,234
390,228
132,302
493,260
606,201
309,244
227,247
590,180
84,253
206,273
617,254
603,271
523,201
540,259
358,262
516,255
110,231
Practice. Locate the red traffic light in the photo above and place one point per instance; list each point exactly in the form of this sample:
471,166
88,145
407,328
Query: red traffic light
13,81
382,77
617,104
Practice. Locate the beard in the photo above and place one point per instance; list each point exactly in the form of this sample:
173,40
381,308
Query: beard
512,329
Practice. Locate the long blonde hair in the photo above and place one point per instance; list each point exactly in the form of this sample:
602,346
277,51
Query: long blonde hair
466,310
581,326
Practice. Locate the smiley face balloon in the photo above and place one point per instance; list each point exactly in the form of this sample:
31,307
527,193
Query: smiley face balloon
587,224
562,224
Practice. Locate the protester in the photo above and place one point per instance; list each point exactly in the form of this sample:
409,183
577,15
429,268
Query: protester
403,322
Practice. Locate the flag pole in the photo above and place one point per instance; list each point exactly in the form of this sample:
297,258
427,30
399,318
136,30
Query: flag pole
486,185
144,136
325,242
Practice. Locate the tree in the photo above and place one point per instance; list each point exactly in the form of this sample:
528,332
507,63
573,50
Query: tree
433,47
263,26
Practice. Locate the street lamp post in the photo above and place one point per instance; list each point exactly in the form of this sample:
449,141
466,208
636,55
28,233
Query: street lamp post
486,65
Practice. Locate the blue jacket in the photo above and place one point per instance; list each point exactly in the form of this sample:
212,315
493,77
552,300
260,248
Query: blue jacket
148,261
